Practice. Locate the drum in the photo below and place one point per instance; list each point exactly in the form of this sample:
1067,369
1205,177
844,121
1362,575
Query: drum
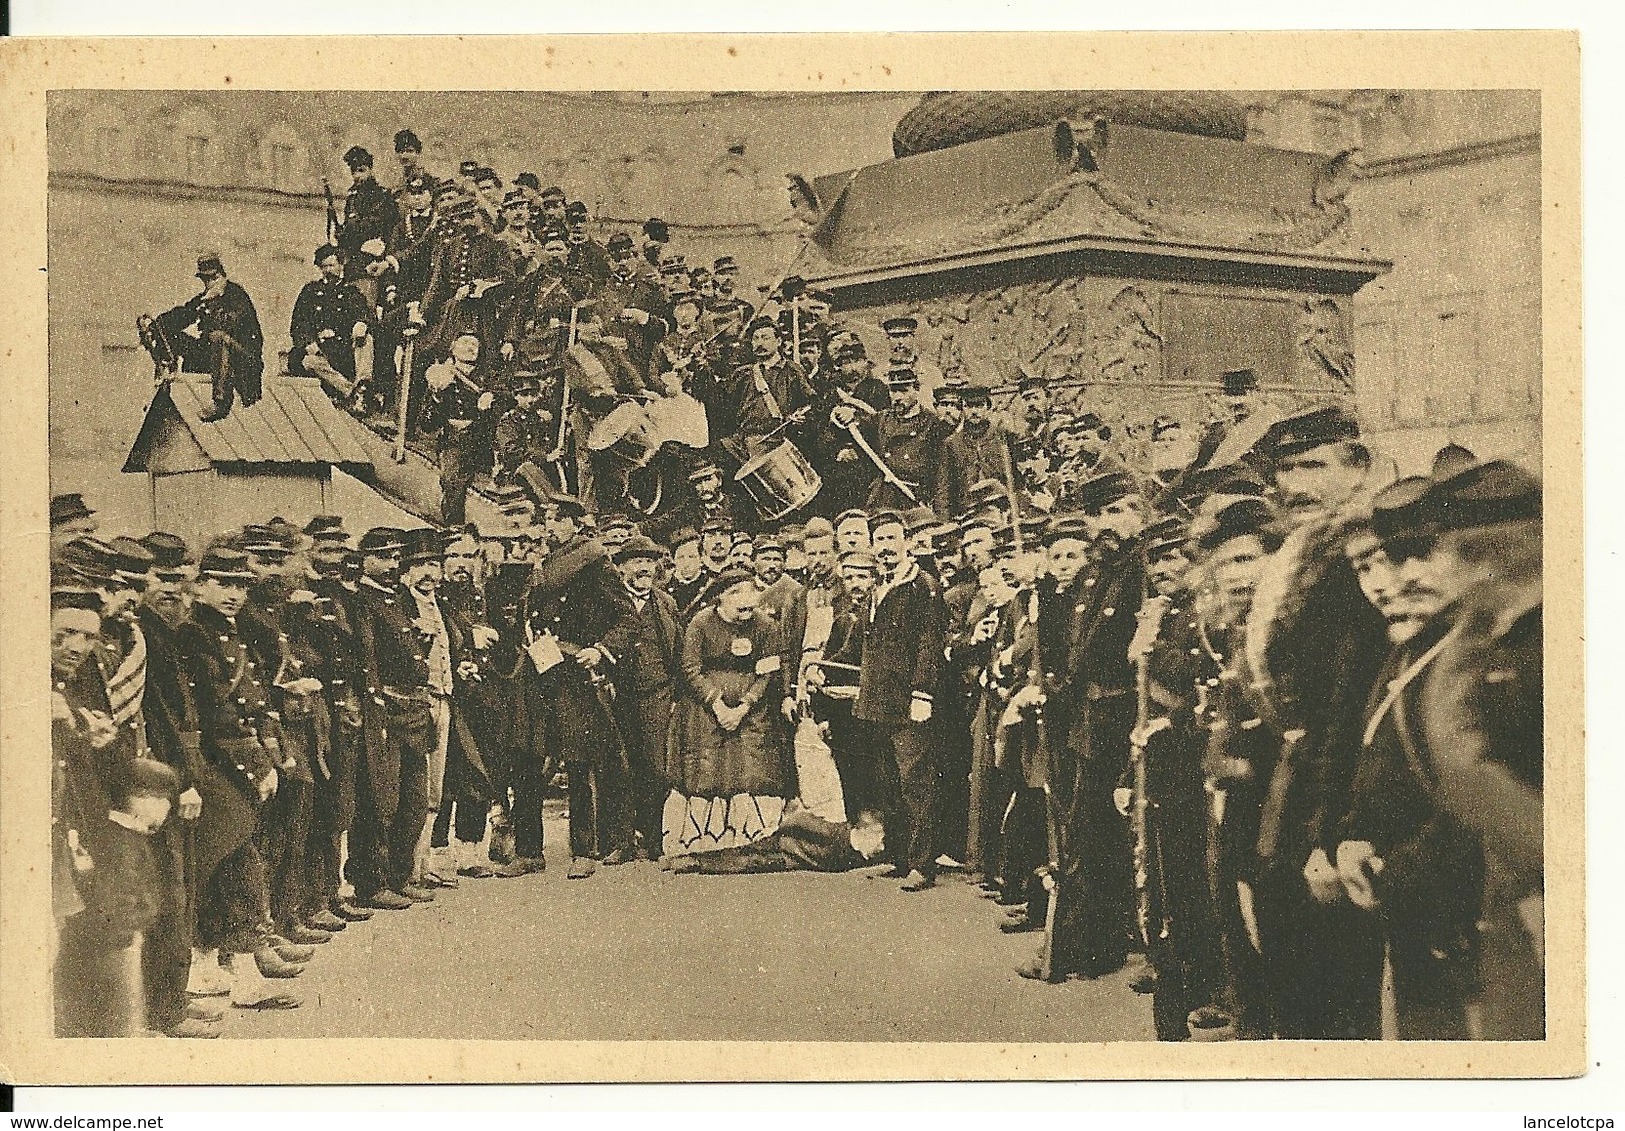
779,481
625,436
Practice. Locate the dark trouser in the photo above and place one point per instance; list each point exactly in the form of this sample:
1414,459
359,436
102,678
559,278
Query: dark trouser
856,754
166,955
1092,925
465,796
645,722
233,902
989,796
1024,848
1322,962
456,476
284,827
94,994
383,842
908,781
571,728
1184,943
332,812
199,355
953,797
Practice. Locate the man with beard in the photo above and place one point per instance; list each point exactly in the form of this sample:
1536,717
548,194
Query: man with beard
909,441
1313,647
772,395
1483,723
242,755
370,215
1175,909
726,314
630,307
1398,855
1415,853
469,272
960,691
643,654
902,659
972,453
1092,931
273,624
1030,412
330,630
330,319
397,713
844,469
229,344
480,711
574,598
172,737
778,588
446,651
536,329
707,504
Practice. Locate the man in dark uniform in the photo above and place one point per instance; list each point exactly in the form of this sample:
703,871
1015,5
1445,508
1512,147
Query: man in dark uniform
909,440
574,598
526,434
707,503
469,273
1092,927
461,410
330,319
172,736
330,630
274,626
243,754
1174,900
630,307
976,451
644,658
229,344
1313,647
771,394
902,660
726,314
537,326
403,278
370,215
392,786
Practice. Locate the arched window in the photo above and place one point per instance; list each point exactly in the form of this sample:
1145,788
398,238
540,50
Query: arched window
197,146
108,141
285,158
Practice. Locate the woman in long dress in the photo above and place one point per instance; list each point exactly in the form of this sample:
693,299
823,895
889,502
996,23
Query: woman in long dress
729,758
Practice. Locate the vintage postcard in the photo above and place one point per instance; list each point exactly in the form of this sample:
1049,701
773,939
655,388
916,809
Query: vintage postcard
792,558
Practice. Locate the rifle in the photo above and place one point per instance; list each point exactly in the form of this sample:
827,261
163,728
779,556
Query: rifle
1053,831
333,225
405,392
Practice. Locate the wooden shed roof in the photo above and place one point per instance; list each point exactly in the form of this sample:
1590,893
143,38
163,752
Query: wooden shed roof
293,424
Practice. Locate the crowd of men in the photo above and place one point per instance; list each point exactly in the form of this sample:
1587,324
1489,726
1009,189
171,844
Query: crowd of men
1250,716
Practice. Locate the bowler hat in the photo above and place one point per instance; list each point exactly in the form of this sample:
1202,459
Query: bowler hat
382,541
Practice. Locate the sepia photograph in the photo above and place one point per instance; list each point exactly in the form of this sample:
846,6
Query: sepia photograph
954,566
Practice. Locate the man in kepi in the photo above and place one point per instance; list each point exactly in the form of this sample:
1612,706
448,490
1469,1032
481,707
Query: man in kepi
228,345
330,320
